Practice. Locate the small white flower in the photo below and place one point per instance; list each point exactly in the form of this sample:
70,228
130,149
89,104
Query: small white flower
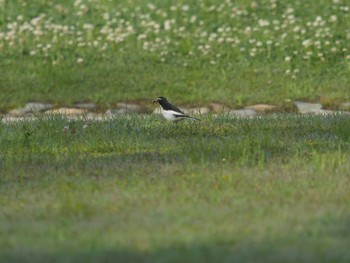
80,60
333,18
307,43
185,8
287,59
193,19
263,22
151,6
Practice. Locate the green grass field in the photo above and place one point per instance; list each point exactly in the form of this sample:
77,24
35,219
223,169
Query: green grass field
273,188
234,52
133,189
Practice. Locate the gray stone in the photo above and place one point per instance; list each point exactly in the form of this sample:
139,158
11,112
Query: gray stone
67,111
345,106
123,111
261,107
218,108
86,106
15,113
306,107
244,113
32,107
130,108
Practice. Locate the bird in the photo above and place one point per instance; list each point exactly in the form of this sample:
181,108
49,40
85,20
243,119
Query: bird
171,112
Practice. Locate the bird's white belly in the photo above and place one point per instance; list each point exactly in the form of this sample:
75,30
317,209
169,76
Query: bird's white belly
169,115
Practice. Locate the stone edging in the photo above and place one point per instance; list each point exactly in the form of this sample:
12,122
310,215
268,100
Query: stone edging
89,110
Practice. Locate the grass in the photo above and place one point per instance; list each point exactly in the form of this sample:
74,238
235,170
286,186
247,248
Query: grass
235,52
269,189
133,189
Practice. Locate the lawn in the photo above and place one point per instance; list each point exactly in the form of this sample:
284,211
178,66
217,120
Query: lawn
194,52
134,189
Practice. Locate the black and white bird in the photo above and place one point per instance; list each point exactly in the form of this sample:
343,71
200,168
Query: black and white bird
171,112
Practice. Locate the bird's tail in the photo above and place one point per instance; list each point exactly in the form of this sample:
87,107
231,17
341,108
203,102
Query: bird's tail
192,118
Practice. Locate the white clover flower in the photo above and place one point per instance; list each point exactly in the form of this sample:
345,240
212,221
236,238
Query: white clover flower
151,6
77,2
287,59
203,34
88,27
307,42
80,60
106,16
296,29
193,19
263,22
333,18
185,8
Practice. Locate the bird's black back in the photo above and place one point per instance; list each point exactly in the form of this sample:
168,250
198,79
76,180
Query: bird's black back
166,105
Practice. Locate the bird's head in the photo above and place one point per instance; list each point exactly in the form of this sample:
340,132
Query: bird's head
160,99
